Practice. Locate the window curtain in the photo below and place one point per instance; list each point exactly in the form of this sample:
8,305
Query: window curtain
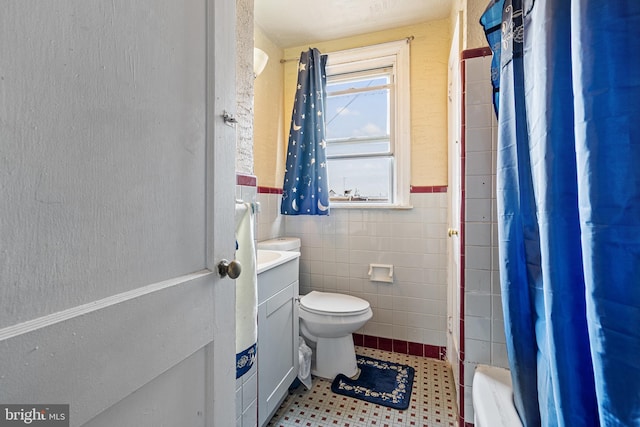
305,189
568,177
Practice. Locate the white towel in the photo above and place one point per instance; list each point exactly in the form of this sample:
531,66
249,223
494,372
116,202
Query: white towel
246,294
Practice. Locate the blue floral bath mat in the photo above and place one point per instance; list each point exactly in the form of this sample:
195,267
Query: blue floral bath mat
380,382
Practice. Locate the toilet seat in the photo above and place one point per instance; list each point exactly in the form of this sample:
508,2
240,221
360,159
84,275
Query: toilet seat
328,303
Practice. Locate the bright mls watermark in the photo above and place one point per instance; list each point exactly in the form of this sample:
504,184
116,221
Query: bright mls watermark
34,415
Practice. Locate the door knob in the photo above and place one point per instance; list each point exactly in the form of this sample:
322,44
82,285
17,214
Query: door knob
452,232
231,269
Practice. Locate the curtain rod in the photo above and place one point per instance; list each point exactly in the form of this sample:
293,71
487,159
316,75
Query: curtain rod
408,39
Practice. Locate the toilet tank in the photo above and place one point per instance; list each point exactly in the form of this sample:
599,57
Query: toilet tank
281,244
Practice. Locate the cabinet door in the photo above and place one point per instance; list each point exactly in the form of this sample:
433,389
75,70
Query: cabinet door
277,349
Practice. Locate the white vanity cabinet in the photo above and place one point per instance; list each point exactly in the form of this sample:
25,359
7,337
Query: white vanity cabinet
277,336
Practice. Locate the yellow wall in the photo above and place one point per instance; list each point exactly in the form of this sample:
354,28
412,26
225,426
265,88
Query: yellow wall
429,55
471,31
275,90
475,32
268,134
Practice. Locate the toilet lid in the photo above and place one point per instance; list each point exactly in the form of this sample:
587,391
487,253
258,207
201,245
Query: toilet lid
330,303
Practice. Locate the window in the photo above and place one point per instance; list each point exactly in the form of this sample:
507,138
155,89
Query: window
367,126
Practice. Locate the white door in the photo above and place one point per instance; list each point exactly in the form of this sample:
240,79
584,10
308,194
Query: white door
454,193
116,204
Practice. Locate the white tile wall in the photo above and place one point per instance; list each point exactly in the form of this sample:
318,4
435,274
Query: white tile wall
477,351
337,250
270,222
484,325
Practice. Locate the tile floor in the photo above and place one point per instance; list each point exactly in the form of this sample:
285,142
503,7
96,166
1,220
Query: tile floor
433,400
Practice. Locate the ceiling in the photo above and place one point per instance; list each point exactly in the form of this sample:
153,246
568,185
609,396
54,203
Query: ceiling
290,23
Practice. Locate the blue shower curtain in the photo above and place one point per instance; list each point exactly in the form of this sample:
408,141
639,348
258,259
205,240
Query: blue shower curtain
305,189
568,181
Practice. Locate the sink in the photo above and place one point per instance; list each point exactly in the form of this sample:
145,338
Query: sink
268,259
266,256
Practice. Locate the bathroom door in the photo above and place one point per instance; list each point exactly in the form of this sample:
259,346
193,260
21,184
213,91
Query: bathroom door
454,193
113,148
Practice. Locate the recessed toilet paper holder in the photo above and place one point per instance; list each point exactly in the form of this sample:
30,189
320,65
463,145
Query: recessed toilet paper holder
381,273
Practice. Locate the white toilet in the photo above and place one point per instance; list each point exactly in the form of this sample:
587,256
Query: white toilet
327,321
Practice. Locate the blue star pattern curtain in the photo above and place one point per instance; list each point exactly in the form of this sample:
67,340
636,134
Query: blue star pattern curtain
305,189
568,186
491,21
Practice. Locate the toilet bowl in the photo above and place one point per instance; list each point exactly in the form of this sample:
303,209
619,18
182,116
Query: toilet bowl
327,321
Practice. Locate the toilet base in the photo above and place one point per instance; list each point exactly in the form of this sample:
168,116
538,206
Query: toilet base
334,356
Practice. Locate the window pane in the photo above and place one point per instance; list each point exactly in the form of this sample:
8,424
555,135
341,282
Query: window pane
357,115
361,179
341,84
342,148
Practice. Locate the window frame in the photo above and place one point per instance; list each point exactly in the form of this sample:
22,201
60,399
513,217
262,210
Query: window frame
395,55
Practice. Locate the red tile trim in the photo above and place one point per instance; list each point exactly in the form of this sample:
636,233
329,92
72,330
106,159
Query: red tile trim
463,177
461,392
371,342
414,189
475,53
269,190
431,351
385,344
440,352
358,339
401,346
416,349
443,353
463,148
248,180
463,423
428,189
